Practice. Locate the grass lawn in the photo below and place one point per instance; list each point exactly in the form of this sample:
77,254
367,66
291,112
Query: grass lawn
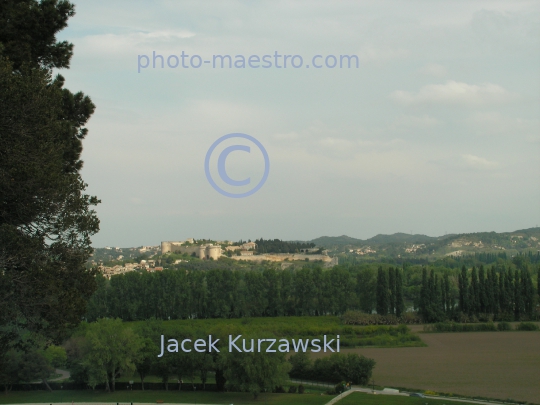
369,399
167,396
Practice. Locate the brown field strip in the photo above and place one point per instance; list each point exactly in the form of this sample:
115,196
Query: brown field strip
490,364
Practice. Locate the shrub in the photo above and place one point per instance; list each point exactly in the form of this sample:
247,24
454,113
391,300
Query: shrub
527,326
292,389
339,388
301,389
504,326
361,318
279,390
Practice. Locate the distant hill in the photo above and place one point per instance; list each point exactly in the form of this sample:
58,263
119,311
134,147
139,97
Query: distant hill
344,240
407,244
331,241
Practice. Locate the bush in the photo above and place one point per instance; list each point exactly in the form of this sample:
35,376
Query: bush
504,326
279,390
292,389
339,388
301,389
527,326
361,318
460,327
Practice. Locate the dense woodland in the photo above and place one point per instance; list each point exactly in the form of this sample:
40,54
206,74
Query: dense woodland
279,246
505,291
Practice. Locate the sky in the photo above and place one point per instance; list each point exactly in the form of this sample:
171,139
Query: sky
437,130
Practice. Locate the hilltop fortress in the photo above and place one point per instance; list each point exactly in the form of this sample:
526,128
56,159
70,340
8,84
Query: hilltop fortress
246,251
205,251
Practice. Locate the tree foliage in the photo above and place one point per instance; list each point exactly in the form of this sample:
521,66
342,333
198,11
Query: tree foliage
46,219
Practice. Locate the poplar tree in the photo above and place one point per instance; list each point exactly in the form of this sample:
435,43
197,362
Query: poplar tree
473,293
509,291
527,290
392,290
464,291
382,292
482,294
400,304
448,304
518,297
424,296
492,291
502,291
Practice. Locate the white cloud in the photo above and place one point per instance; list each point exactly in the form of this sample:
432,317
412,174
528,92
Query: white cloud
433,69
479,162
415,122
370,53
496,123
454,93
128,43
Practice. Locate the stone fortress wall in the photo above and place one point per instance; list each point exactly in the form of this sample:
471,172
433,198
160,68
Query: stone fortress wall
207,251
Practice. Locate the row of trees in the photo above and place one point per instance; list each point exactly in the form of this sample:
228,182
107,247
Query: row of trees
102,351
506,294
312,291
510,292
217,293
390,298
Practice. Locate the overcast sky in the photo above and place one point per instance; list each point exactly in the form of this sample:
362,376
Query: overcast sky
437,131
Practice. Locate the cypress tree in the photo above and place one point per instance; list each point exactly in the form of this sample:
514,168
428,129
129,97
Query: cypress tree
423,307
474,293
392,291
509,291
482,294
382,293
538,281
527,289
434,300
493,292
464,291
518,297
448,304
400,304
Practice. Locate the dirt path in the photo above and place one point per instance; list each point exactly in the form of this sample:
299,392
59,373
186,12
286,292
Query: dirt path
65,375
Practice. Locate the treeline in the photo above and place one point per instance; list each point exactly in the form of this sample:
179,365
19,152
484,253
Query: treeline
505,295
101,352
179,294
279,246
335,368
504,292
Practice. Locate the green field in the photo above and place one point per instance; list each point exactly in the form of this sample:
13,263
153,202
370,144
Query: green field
167,396
295,327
